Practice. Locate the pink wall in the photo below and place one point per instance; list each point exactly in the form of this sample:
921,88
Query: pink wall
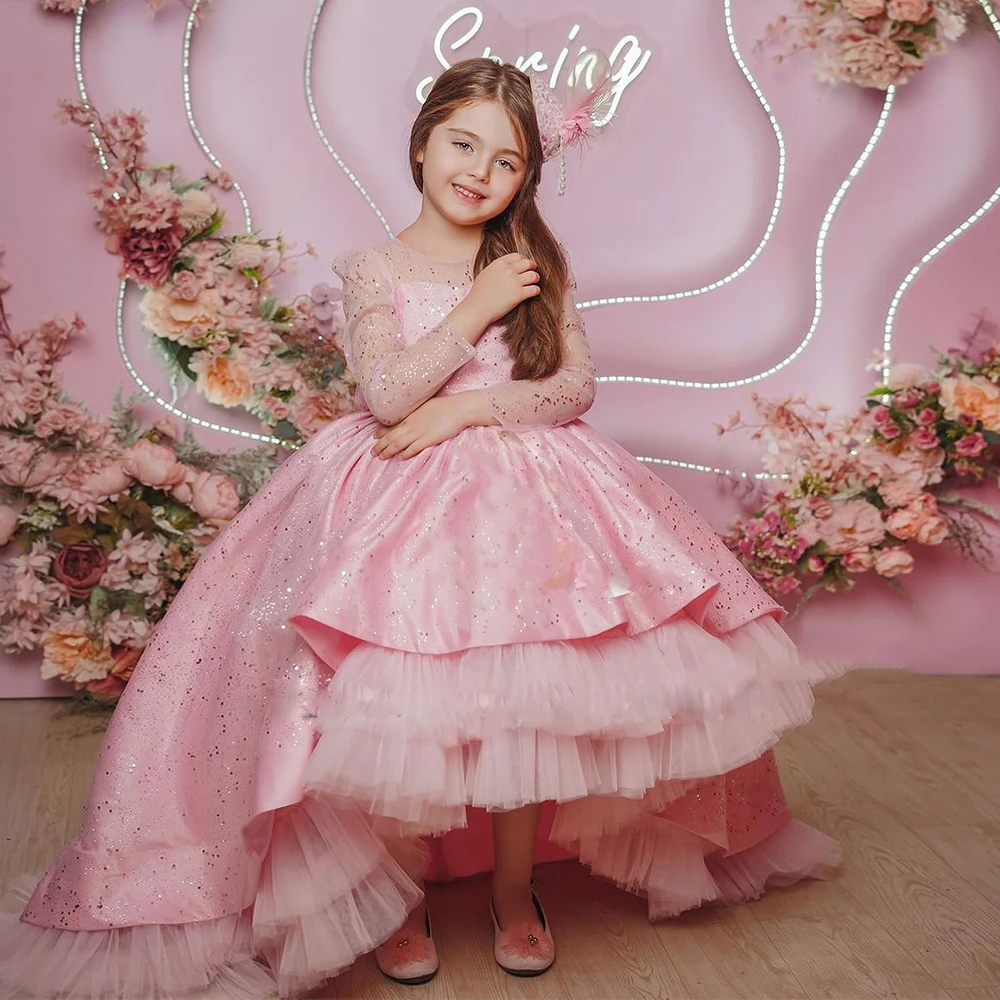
674,196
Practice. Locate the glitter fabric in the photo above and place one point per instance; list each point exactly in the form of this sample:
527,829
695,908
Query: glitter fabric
402,350
373,652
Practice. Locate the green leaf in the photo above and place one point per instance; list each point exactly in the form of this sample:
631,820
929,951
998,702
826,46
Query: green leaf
252,273
285,430
97,606
929,28
268,307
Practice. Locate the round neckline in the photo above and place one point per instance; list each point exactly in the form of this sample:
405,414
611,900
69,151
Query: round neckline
437,260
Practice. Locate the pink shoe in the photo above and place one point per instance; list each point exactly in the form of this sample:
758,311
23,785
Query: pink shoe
524,950
408,958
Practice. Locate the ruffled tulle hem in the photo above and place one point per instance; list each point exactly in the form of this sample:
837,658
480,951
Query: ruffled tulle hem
418,738
670,867
208,959
329,891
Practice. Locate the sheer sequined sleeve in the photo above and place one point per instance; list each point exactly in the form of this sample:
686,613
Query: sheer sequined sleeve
394,379
558,399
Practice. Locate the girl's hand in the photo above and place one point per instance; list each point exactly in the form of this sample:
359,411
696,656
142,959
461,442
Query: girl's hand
439,419
502,285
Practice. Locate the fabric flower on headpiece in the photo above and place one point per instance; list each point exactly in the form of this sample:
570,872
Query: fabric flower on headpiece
561,125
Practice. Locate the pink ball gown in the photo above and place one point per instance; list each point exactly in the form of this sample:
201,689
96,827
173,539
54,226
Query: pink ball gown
372,654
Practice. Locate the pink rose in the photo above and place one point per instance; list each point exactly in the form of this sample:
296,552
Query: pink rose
932,531
214,497
862,9
854,524
927,417
107,481
147,254
152,464
971,445
27,465
186,286
914,11
65,417
882,415
904,523
908,399
8,522
889,431
814,564
860,561
893,562
924,438
786,584
167,427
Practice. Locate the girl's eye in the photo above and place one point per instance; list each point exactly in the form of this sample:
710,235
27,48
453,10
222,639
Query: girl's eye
506,164
463,145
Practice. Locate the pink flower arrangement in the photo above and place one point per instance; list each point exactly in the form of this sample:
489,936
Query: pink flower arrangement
856,494
872,43
109,520
208,297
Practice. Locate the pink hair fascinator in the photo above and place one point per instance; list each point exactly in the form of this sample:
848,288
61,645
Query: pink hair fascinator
574,113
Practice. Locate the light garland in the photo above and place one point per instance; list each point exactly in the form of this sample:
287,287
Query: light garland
890,319
318,124
821,239
778,194
192,21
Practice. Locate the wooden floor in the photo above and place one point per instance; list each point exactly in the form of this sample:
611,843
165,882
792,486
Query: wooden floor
904,770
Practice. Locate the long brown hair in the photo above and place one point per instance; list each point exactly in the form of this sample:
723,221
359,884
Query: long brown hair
534,328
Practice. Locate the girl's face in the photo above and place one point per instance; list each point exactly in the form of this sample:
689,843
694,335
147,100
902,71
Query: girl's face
473,164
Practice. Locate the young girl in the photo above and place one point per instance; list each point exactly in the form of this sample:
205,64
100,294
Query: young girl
459,622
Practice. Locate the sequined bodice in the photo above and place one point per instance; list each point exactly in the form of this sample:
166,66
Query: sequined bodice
402,348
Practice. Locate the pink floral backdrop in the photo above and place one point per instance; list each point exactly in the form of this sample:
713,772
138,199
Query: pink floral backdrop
677,195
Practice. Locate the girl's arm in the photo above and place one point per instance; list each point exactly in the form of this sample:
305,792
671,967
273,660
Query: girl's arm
396,379
558,399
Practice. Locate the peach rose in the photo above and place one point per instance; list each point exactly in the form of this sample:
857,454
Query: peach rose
71,653
152,464
899,492
904,523
870,61
124,662
864,8
222,380
852,525
8,522
914,11
860,561
179,319
214,497
977,396
893,562
932,531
